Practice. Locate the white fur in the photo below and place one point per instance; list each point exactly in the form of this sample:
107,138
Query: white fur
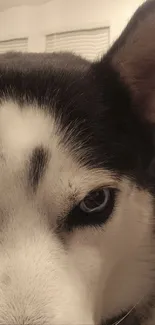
91,274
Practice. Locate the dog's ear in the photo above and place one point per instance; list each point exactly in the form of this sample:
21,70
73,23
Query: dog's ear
133,57
126,78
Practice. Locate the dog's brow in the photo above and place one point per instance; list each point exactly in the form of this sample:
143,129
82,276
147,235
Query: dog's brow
38,164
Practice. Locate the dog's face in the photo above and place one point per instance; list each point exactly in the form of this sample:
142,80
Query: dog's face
77,183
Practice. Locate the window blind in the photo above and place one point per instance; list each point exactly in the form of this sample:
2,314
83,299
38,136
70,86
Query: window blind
90,43
19,45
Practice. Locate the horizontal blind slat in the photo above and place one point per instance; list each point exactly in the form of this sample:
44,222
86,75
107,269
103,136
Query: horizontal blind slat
89,43
20,44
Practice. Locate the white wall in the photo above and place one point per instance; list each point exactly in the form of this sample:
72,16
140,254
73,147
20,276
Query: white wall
35,22
5,4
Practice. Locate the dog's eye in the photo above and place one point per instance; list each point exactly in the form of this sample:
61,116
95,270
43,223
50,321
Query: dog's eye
94,210
95,201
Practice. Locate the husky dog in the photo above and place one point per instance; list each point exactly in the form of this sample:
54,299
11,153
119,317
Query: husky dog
77,184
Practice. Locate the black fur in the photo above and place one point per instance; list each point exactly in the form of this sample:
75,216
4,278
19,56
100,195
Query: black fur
142,13
131,319
105,106
92,101
37,166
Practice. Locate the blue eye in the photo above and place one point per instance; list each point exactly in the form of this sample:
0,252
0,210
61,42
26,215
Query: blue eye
96,201
94,210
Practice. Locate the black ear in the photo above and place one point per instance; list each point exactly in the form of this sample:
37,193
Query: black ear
133,57
126,78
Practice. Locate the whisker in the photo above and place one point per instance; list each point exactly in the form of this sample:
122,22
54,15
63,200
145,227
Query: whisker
129,312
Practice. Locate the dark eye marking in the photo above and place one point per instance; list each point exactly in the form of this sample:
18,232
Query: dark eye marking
94,210
38,164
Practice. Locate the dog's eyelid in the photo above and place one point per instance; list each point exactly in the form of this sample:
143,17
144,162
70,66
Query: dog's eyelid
100,186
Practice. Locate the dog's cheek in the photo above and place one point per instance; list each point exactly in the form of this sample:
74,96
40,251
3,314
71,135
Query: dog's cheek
111,259
38,281
87,251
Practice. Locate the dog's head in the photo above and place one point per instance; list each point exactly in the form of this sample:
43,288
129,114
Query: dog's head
77,182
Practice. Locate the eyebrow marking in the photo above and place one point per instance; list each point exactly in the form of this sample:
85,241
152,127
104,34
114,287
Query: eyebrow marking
38,164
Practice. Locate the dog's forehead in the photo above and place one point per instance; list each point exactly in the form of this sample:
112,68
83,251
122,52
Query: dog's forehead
48,113
70,89
34,148
61,83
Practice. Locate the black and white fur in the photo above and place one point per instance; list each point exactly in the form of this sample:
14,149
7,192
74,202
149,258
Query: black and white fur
68,127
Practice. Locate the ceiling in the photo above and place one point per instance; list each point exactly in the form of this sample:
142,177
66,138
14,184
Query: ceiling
5,4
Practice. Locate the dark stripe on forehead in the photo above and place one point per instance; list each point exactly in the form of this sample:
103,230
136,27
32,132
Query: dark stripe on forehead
37,167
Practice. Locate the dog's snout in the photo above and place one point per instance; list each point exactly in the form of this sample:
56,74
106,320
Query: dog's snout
37,283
